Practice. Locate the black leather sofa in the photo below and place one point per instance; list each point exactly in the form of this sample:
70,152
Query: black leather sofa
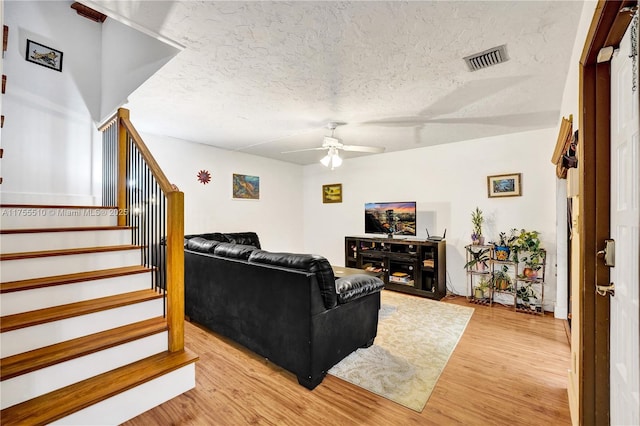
286,307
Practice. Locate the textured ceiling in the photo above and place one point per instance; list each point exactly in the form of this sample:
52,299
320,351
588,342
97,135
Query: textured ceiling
266,77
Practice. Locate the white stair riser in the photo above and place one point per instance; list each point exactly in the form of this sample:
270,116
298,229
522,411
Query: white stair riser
127,405
40,298
22,269
28,217
37,241
38,336
39,382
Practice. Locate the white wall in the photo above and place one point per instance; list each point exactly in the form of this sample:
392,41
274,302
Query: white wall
277,216
448,182
48,132
569,107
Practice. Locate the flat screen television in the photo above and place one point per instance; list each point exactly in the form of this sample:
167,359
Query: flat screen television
397,218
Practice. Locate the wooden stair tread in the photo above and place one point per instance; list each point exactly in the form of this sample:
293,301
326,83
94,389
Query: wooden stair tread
12,286
63,229
55,313
63,402
27,362
65,252
55,206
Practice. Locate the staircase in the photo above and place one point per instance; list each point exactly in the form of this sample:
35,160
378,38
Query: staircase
84,338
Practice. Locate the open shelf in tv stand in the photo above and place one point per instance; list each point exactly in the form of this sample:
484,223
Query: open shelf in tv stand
419,265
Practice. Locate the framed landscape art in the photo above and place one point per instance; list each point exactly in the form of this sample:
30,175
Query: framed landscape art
332,193
246,187
504,185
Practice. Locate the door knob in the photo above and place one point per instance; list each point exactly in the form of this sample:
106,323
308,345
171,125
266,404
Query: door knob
603,290
608,253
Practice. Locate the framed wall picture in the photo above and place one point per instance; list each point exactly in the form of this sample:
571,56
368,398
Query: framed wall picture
43,55
504,185
246,187
332,193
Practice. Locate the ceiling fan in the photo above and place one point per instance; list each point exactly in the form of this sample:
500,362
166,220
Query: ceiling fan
333,145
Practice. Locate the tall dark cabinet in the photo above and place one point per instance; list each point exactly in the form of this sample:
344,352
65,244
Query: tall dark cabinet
409,265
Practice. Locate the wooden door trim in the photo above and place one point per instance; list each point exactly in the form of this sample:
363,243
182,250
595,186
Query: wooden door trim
594,210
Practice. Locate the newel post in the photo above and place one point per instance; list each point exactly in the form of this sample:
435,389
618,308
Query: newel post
175,270
122,167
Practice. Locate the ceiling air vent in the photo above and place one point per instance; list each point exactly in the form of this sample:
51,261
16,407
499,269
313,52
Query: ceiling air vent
493,56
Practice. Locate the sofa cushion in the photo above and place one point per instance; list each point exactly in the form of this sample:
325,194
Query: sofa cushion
304,262
233,251
354,286
215,236
201,245
245,238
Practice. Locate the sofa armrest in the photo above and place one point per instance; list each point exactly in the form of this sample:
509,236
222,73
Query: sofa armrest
355,286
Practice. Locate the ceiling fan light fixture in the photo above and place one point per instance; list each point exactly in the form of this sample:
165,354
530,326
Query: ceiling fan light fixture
332,159
337,161
326,160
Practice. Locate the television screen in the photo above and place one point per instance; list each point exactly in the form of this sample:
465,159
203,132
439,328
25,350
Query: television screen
390,218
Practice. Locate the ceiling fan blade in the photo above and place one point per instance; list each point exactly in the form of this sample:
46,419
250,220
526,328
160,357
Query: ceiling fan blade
360,148
398,121
470,93
539,118
302,150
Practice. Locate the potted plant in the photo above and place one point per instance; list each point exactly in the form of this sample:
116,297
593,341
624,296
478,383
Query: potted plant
528,242
503,247
482,289
501,279
532,264
478,259
477,219
527,297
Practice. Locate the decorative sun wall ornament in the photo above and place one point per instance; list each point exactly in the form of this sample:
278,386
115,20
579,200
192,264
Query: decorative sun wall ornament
204,177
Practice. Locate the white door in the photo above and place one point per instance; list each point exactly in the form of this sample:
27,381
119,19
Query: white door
625,219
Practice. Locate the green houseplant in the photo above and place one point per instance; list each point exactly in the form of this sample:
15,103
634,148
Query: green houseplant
528,243
501,279
527,297
478,259
505,242
477,219
482,289
532,264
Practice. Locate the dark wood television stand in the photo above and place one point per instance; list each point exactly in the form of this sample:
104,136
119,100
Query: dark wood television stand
409,265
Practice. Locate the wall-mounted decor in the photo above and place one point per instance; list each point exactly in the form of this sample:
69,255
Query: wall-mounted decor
204,177
332,193
504,185
246,187
5,38
43,55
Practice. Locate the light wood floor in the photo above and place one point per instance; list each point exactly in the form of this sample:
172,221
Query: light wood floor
508,369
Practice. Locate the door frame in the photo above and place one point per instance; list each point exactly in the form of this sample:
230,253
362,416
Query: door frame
607,29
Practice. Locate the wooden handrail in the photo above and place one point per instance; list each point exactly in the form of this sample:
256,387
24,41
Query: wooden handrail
175,222
157,172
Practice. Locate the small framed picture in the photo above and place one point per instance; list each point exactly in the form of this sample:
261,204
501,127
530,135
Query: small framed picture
504,185
246,187
43,55
332,193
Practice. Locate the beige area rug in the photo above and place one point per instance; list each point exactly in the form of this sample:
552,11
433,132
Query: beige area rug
416,337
